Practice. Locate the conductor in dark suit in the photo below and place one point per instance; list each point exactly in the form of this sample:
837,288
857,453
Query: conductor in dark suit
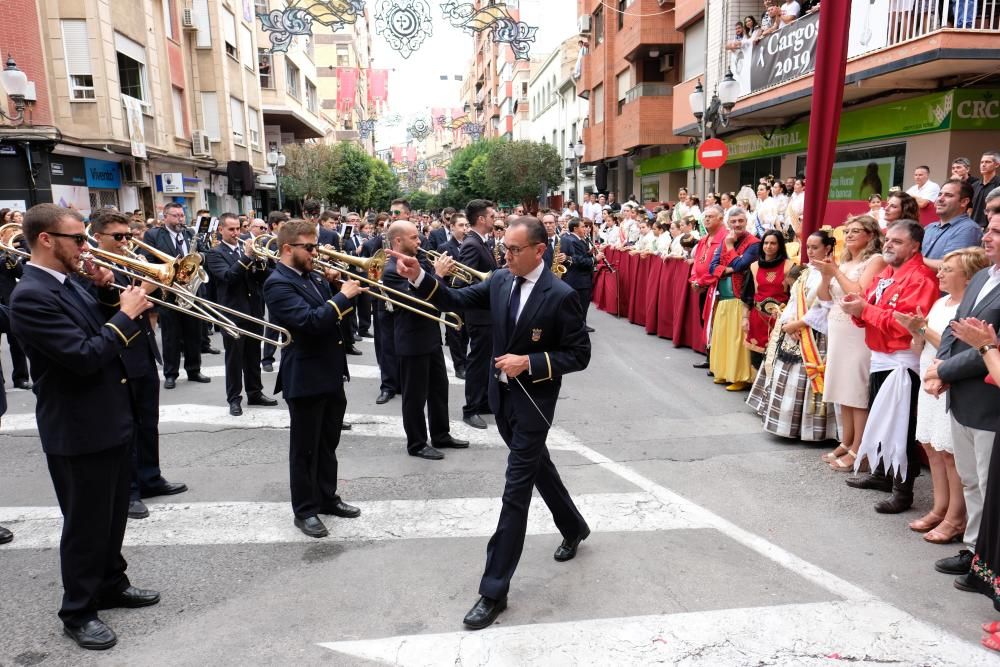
475,254
579,264
177,240
239,278
84,413
457,339
311,375
537,337
422,371
110,229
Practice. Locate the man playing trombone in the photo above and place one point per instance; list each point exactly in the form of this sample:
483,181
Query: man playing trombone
312,373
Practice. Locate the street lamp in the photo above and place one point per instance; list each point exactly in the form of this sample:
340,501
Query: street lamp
576,151
277,160
15,82
716,115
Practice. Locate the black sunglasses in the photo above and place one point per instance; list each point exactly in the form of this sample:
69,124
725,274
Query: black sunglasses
79,239
121,236
308,247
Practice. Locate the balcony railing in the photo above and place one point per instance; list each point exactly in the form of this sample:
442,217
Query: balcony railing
654,89
927,16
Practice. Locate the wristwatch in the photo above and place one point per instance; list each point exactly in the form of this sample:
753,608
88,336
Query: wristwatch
922,331
986,348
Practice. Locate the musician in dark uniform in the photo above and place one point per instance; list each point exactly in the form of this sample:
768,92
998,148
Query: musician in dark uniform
476,255
552,240
437,238
5,534
385,318
422,372
111,230
238,278
275,219
178,240
457,340
11,269
311,375
84,413
537,337
361,317
579,264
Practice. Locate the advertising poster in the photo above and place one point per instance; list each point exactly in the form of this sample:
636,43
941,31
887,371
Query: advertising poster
859,179
72,196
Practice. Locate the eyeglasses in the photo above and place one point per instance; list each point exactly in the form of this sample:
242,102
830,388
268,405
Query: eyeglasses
78,239
498,228
855,230
121,236
397,212
308,247
515,250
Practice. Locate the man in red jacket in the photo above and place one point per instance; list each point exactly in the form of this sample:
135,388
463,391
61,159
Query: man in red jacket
889,440
701,278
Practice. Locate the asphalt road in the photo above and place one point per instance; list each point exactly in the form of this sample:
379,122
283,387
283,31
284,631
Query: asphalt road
713,543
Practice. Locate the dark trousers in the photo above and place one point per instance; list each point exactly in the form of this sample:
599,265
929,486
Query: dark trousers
268,349
913,463
93,496
364,309
477,370
178,330
585,296
243,364
458,345
207,291
425,382
146,442
528,465
385,351
19,362
313,437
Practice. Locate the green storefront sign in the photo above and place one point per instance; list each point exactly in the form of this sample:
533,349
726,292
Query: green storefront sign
957,109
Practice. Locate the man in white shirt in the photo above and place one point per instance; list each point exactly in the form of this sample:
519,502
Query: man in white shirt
924,190
591,208
790,11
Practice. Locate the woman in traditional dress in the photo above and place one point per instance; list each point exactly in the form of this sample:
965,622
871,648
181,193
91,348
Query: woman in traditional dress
848,360
788,392
765,293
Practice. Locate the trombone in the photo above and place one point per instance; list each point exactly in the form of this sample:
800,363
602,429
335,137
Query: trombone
373,267
460,271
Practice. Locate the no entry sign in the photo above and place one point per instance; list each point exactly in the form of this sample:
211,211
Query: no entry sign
712,153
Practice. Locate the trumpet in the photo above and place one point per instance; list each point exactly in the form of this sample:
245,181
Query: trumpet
462,272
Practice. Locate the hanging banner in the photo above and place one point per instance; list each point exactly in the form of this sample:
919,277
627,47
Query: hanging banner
411,154
136,130
786,54
397,154
347,88
378,88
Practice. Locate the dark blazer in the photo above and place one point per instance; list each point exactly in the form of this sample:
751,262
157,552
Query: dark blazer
139,359
550,331
437,238
165,241
971,401
327,237
476,255
83,400
314,363
236,284
550,252
414,334
451,247
4,328
11,269
579,262
371,246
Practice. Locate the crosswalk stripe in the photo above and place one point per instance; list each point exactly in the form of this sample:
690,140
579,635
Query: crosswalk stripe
175,523
797,634
358,372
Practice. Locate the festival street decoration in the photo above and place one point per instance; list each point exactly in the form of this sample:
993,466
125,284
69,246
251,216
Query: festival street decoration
404,24
296,19
474,130
496,17
366,127
419,129
392,120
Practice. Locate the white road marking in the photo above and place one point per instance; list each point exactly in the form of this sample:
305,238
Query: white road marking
358,372
175,523
858,632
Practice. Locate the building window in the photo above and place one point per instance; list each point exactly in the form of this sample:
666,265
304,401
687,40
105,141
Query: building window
599,25
77,51
622,6
261,6
229,34
201,20
236,114
343,55
311,96
264,63
168,18
624,83
132,68
179,121
246,47
210,114
598,97
253,127
291,78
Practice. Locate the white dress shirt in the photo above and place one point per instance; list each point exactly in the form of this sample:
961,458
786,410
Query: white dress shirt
928,191
61,277
988,286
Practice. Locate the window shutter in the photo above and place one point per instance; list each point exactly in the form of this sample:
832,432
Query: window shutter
247,53
202,22
77,47
236,116
229,27
210,113
133,50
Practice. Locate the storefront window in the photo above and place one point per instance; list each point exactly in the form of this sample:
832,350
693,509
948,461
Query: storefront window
860,172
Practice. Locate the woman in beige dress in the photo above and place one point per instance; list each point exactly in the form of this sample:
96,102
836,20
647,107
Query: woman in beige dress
848,361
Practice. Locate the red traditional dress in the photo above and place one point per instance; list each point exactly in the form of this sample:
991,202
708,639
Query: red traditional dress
769,296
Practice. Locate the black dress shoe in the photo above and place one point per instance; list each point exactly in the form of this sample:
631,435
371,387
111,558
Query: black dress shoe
384,397
357,338
428,453
345,427
870,482
235,409
365,334
5,535
137,509
589,329
198,377
268,368
703,364
484,612
353,350
22,384
170,383
460,374
957,565
311,526
475,421
165,489
452,443
567,550
131,598
93,635
261,399
967,582
209,350
342,509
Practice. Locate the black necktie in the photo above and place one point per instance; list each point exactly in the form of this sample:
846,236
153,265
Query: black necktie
515,304
81,299
180,245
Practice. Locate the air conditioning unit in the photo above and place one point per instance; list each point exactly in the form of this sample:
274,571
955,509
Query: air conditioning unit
201,146
136,172
583,24
587,170
667,61
187,19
